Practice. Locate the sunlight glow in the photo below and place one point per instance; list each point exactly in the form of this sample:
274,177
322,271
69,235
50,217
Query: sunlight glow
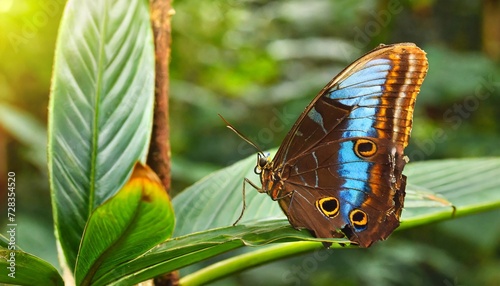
5,5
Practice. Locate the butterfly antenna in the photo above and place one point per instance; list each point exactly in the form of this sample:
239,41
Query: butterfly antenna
228,125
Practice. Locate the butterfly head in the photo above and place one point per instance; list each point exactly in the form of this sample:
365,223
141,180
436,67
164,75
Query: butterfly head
271,180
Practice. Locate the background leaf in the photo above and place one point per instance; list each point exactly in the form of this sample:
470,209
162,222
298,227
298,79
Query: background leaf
222,191
471,185
28,131
137,218
28,269
100,111
468,184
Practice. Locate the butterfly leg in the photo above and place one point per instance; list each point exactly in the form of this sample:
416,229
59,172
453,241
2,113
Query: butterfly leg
245,181
289,194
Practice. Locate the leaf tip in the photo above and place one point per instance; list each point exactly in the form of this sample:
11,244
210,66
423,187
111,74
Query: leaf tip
150,182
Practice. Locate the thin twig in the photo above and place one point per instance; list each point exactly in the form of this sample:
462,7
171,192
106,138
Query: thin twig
159,148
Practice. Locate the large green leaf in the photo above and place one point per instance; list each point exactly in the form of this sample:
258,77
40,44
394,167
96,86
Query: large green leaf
21,268
470,185
216,200
137,218
100,111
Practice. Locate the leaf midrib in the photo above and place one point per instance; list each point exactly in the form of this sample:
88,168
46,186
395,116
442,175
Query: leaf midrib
95,128
89,277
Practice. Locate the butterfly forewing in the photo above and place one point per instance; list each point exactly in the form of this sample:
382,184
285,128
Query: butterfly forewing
382,85
340,166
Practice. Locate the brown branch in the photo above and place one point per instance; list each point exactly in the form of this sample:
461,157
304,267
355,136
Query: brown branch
159,148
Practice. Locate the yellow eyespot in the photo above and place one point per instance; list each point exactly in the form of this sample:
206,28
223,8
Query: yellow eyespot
358,218
328,206
365,148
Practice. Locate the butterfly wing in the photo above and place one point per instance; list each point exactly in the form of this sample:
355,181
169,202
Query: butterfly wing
341,164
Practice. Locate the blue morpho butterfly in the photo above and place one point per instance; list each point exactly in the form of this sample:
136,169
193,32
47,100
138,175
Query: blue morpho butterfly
339,170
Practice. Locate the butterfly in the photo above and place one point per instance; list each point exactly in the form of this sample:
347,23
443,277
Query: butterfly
338,172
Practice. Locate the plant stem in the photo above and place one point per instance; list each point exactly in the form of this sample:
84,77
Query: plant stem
245,261
159,148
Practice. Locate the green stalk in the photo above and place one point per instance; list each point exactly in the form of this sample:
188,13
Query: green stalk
245,261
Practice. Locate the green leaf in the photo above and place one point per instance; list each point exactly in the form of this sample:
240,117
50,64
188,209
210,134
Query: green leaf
470,185
100,111
137,218
27,130
434,186
21,268
438,190
222,191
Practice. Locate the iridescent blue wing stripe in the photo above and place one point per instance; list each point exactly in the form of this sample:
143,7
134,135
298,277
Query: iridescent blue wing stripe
373,93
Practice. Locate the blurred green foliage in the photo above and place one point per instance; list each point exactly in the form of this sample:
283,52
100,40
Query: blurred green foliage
259,63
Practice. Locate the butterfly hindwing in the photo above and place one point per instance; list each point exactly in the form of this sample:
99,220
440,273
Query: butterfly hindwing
338,186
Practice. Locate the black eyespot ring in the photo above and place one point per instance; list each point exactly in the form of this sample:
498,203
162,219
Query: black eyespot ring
329,206
365,148
358,218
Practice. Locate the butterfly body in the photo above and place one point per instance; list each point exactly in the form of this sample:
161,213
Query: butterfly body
339,170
